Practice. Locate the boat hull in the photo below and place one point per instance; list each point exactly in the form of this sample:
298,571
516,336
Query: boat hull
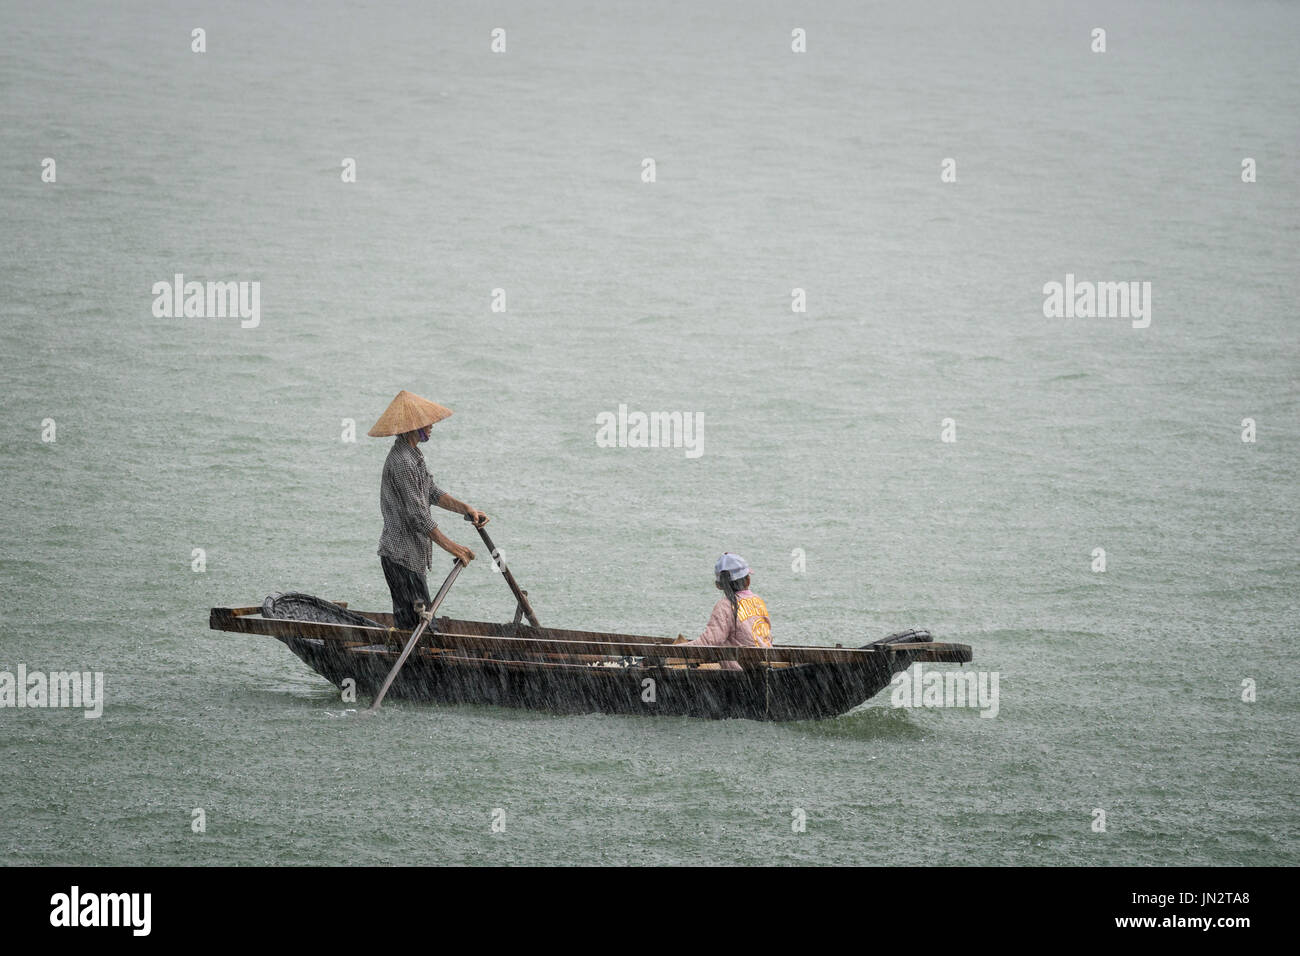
803,692
579,672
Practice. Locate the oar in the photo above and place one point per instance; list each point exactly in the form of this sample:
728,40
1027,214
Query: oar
499,562
427,615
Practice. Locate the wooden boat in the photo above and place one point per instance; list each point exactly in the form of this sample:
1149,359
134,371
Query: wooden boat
577,672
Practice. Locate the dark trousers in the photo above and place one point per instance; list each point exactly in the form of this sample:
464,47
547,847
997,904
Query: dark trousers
406,587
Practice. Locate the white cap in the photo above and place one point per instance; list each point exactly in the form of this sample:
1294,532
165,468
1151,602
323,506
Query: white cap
735,566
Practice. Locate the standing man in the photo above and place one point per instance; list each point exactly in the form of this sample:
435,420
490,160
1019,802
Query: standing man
405,493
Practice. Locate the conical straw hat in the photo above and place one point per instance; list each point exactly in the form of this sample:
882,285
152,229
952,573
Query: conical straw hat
407,412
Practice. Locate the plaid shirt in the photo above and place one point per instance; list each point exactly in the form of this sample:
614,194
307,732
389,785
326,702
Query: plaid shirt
405,494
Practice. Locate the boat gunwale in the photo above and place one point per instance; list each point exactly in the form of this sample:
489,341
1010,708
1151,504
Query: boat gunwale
248,620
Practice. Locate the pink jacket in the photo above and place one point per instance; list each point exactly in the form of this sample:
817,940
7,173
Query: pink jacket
752,629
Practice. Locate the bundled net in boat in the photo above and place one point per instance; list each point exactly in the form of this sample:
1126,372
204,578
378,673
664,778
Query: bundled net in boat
296,606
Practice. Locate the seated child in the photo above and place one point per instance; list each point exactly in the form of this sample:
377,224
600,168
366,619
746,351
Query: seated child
740,616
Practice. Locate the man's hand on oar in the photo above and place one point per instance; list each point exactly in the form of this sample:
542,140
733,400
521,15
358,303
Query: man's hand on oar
458,551
478,519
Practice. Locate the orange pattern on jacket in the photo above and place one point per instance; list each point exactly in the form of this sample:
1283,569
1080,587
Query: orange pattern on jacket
760,628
